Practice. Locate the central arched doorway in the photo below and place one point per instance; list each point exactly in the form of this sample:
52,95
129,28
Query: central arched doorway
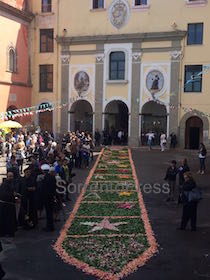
46,117
153,118
193,133
116,119
81,116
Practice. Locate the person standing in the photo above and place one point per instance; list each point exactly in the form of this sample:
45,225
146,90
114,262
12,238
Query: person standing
150,137
182,170
171,174
8,222
13,167
202,157
119,136
28,187
64,141
48,196
65,174
173,140
163,141
20,153
189,207
97,138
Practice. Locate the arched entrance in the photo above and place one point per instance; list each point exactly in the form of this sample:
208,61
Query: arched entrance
46,118
193,133
116,118
81,117
154,118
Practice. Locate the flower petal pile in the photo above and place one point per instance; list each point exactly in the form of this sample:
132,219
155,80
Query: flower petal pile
108,234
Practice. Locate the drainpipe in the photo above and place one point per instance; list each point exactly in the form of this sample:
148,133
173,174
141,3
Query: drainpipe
57,67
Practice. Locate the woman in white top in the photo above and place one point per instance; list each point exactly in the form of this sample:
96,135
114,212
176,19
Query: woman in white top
163,141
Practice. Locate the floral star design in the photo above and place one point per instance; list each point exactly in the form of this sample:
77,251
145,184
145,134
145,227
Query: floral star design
92,195
124,176
123,166
99,176
125,194
104,224
113,162
126,205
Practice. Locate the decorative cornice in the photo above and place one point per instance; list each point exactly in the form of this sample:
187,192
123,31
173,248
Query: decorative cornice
120,38
25,16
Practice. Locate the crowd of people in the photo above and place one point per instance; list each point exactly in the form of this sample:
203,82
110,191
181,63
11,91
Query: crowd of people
26,193
150,138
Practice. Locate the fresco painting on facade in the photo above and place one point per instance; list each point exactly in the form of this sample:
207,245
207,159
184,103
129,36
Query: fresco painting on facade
81,83
119,13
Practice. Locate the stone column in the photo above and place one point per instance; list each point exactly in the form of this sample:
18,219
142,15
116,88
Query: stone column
65,58
135,90
99,79
175,90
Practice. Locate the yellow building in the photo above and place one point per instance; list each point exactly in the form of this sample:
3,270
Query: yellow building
130,65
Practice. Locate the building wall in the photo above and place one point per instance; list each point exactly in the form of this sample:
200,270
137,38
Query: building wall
44,21
80,20
150,39
19,4
15,88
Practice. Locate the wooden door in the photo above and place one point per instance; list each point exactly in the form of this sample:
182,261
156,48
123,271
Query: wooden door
193,133
46,121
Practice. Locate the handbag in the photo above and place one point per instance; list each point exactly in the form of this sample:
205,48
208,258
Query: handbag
195,195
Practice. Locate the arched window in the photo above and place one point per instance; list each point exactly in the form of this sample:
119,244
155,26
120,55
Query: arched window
12,60
117,66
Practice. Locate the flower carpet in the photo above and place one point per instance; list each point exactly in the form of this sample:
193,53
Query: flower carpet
108,233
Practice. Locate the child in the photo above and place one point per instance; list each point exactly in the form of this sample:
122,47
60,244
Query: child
171,178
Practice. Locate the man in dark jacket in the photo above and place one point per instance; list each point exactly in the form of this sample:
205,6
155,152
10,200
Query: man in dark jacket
28,189
48,191
189,207
171,174
8,222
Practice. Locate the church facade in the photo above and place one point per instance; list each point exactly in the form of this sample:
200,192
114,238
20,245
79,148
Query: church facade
129,65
